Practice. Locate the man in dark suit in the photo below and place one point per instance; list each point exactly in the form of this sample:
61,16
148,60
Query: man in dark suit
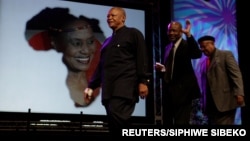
122,72
181,82
221,83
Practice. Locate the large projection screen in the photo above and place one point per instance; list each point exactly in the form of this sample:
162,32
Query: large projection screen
36,79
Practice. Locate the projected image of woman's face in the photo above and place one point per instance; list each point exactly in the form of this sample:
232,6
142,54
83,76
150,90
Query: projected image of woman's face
54,51
78,45
74,37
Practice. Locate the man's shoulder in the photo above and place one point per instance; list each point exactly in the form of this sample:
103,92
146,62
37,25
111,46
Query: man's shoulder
133,29
221,51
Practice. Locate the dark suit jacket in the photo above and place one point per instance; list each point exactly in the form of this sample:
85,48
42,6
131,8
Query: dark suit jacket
123,65
225,80
184,85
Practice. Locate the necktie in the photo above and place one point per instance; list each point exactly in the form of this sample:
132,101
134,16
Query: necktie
169,65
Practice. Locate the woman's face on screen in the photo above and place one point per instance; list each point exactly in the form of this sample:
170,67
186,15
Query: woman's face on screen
78,46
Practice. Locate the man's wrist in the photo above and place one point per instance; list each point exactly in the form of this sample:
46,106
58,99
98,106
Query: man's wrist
188,35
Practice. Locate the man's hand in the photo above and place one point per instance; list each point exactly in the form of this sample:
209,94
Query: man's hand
240,99
143,90
160,67
88,95
186,31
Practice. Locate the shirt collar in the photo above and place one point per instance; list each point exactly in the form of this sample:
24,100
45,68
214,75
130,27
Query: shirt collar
177,43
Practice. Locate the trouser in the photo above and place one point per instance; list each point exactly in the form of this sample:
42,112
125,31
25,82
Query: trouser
216,117
119,111
177,115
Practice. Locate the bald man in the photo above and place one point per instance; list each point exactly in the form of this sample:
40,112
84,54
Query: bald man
181,85
122,72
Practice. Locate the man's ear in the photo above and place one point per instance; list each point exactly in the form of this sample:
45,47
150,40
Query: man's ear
123,19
